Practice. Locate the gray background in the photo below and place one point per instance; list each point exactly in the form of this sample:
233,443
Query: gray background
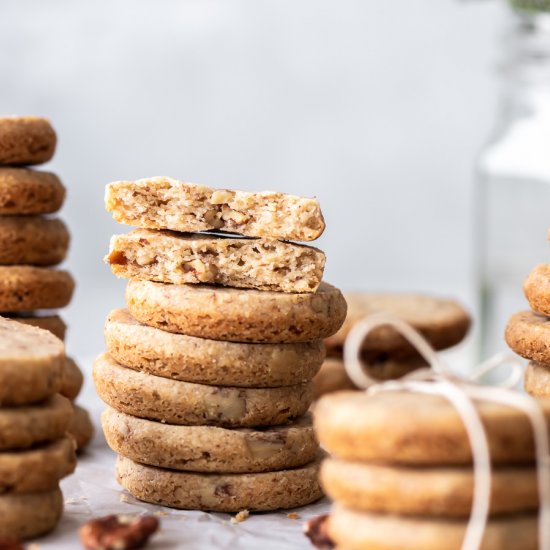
377,108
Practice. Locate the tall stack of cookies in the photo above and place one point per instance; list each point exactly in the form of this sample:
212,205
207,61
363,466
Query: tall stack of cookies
528,332
386,354
32,242
208,372
402,476
35,452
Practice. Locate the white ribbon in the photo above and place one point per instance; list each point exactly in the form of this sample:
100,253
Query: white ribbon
438,380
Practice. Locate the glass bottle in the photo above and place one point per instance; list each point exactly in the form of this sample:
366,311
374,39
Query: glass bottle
513,180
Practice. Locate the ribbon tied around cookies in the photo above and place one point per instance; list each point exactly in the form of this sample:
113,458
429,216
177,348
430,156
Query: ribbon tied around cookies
437,379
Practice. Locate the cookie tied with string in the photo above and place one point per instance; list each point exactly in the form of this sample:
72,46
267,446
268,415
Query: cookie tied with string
434,461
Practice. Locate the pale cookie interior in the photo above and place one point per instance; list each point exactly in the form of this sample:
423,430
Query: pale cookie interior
246,263
166,203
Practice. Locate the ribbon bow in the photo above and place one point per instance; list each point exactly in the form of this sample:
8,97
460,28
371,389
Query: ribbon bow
437,379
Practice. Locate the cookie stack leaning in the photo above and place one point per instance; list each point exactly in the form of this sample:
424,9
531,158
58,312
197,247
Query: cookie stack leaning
208,372
401,475
33,242
528,332
35,451
386,354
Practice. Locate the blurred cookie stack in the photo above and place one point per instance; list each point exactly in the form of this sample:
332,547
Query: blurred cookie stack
208,373
528,332
32,242
402,477
386,354
35,451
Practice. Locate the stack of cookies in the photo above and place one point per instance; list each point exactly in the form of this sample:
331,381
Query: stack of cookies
386,354
402,478
528,332
35,452
32,242
208,372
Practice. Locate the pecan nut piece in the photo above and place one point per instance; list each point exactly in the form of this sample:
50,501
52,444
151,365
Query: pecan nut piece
118,532
316,531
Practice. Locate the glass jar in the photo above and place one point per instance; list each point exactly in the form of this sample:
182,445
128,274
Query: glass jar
513,180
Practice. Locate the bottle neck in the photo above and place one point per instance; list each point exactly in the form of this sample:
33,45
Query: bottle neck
526,48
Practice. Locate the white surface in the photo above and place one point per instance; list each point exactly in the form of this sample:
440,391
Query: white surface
92,492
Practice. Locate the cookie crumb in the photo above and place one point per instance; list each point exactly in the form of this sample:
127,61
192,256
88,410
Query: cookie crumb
293,515
33,546
71,501
240,517
124,498
160,513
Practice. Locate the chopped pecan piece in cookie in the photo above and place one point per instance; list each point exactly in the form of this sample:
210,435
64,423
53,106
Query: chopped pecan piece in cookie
316,531
118,532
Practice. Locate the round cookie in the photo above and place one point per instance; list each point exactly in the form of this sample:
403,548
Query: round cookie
25,516
237,315
24,288
29,192
175,402
528,334
418,429
52,323
209,448
81,427
72,380
38,469
258,492
537,380
32,240
537,289
25,426
442,322
355,530
333,376
31,363
438,491
204,361
26,140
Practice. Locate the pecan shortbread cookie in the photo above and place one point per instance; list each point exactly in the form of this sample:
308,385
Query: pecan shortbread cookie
29,192
147,396
26,140
31,363
237,315
437,492
37,469
25,516
528,334
537,289
537,379
442,322
210,448
356,530
205,361
168,257
166,203
72,379
24,288
81,427
32,240
52,323
28,425
417,429
333,376
263,491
